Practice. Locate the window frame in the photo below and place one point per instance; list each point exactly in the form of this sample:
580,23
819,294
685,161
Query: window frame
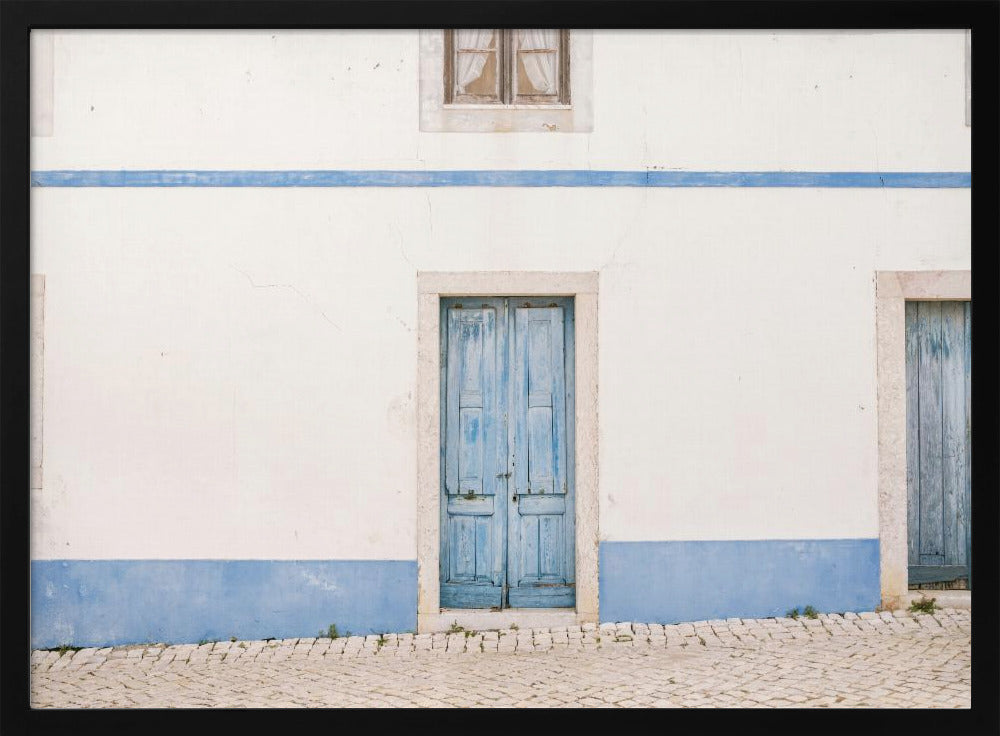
506,56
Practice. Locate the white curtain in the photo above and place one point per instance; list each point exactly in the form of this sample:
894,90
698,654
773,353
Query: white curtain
469,67
540,68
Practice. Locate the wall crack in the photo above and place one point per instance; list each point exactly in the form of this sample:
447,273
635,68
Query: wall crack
302,296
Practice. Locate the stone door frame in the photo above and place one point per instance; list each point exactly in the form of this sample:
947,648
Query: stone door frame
892,290
431,287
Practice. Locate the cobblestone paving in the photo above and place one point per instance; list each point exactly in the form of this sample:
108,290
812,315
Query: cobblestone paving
851,660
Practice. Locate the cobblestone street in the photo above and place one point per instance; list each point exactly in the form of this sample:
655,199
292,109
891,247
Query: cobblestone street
865,660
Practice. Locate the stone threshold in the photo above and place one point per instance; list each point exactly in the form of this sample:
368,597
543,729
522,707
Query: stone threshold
486,619
943,598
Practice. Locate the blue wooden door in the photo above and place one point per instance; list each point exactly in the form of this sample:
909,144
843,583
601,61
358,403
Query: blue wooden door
507,534
938,350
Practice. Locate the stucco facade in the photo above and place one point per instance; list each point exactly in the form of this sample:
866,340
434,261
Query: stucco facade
233,439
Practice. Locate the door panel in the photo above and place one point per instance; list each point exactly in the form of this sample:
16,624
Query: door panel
541,549
474,441
931,545
472,412
937,440
954,470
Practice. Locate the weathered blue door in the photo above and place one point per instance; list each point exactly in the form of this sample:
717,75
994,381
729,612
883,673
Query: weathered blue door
938,350
507,533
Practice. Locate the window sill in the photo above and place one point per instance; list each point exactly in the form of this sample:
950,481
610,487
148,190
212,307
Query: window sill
456,106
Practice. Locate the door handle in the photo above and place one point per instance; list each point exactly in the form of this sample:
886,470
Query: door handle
503,475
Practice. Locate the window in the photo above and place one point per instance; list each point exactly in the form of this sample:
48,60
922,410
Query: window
506,67
506,81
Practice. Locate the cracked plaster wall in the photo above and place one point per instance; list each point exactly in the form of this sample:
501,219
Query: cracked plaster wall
230,373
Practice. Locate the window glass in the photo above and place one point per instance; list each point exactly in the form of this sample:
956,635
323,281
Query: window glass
476,72
507,66
537,62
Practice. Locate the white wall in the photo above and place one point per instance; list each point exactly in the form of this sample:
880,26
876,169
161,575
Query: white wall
230,373
889,100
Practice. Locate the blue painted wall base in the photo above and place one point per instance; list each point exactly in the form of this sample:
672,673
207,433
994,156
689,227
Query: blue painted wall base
107,602
670,582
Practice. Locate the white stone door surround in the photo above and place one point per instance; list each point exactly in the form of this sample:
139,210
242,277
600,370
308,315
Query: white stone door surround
431,286
892,290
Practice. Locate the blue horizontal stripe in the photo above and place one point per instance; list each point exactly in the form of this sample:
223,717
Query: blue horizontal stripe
670,582
503,178
107,602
